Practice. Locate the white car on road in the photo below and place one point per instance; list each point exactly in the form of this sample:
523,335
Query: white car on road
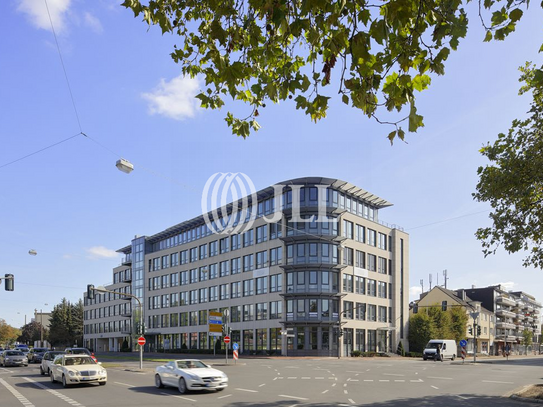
77,369
190,374
47,361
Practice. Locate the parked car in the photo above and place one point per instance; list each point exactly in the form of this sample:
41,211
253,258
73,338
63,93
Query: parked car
13,358
35,355
47,361
190,374
80,351
77,369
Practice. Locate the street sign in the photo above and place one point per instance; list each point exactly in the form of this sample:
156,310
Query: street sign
215,323
463,343
463,353
141,341
235,354
235,346
226,339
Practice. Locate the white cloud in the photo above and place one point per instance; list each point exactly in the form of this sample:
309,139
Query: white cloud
36,12
101,252
174,99
415,292
93,22
508,285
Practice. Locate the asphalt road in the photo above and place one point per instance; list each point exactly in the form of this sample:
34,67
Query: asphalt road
291,382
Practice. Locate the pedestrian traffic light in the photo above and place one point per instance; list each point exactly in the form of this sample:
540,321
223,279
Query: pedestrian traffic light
470,330
90,292
478,330
9,282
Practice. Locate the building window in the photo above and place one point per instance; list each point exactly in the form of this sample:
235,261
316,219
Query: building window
276,283
213,248
276,310
262,259
382,265
248,262
248,238
248,312
276,255
235,265
261,285
261,234
235,289
372,237
248,287
348,256
262,311
347,283
372,260
360,311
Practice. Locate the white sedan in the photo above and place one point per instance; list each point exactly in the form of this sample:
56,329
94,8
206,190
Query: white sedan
77,369
190,374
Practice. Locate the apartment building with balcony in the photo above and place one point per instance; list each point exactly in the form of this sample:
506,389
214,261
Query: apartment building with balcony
515,312
313,272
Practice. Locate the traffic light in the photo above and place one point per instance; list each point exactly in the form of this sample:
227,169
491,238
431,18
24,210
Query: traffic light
478,330
9,282
90,292
470,330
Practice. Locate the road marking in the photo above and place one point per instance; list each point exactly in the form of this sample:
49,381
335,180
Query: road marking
292,377
55,393
223,397
345,385
292,397
400,381
352,401
417,381
353,371
24,401
393,374
435,387
250,391
306,378
263,384
180,397
345,392
444,378
368,380
324,392
6,370
331,378
353,380
384,380
334,384
124,384
492,381
319,378
462,397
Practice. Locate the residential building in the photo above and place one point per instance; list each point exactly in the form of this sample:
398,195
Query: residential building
324,277
514,311
446,299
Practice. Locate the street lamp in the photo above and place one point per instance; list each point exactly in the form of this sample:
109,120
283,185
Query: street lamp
124,166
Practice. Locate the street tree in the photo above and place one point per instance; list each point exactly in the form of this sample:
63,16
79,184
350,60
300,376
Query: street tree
374,56
66,324
442,322
8,334
421,330
32,332
527,339
513,182
459,320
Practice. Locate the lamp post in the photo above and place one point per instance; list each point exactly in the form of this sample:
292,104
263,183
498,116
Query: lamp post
103,290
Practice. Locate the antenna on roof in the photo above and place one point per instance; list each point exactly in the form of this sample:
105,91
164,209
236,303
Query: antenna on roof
430,278
422,284
445,277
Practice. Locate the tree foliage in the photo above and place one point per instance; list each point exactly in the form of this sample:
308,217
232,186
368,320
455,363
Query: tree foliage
8,334
513,182
421,330
434,323
375,56
66,324
32,332
527,337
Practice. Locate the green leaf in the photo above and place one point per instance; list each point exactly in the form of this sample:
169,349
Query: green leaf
391,136
415,120
488,36
515,15
345,99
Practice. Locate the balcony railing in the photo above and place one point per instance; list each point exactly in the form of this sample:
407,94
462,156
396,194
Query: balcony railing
506,313
505,300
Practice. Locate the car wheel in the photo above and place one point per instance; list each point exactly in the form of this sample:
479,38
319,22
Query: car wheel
41,371
158,382
25,365
52,377
64,382
102,383
182,386
424,358
453,357
221,389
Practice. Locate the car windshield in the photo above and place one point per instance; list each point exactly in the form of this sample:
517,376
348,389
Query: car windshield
14,353
433,345
190,364
78,361
37,350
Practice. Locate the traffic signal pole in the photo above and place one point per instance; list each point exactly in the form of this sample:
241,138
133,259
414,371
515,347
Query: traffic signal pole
90,294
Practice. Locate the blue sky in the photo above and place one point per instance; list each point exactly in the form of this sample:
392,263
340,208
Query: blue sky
73,206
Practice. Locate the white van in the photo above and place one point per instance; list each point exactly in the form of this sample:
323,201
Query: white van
447,349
